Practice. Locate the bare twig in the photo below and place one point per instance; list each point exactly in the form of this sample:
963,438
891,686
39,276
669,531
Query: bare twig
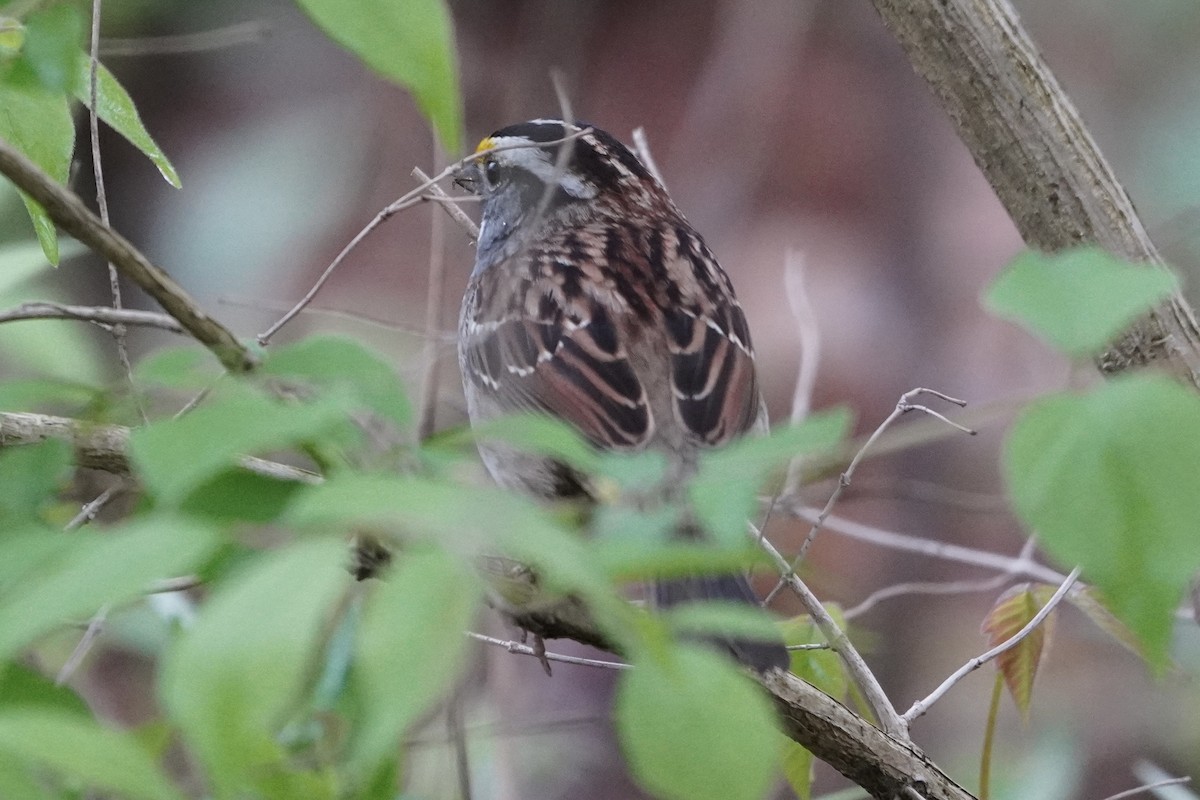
104,316
858,670
1147,787
240,33
449,204
69,213
91,509
1020,565
95,627
433,316
526,650
921,706
641,146
903,406
919,587
405,201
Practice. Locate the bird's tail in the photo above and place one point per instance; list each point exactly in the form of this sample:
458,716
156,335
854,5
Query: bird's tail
758,654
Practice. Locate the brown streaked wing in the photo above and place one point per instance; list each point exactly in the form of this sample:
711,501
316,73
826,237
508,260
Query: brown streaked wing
712,371
575,369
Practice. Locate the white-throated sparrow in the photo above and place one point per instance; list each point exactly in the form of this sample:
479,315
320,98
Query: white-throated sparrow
593,300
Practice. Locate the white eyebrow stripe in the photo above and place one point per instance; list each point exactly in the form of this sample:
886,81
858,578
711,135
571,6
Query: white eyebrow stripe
540,160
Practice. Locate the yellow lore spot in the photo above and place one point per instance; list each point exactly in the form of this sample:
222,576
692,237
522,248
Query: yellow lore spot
486,144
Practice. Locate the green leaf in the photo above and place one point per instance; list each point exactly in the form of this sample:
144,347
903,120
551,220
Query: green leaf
73,578
176,456
338,362
1078,301
230,680
721,617
725,490
77,747
797,765
403,507
1108,481
694,728
240,495
186,367
410,42
116,109
31,476
411,647
538,434
51,48
22,686
822,668
38,123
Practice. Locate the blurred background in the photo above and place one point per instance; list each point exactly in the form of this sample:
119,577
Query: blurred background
780,127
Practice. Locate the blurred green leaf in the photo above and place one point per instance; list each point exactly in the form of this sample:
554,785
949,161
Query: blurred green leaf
77,747
411,647
31,476
21,261
408,41
230,680
186,367
175,456
721,617
1108,481
21,781
40,394
71,581
822,668
240,495
116,109
50,50
27,688
538,434
694,728
338,362
12,36
465,519
725,490
38,123
1078,300
627,559
797,767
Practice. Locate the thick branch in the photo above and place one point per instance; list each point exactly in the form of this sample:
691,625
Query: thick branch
106,447
1044,166
70,214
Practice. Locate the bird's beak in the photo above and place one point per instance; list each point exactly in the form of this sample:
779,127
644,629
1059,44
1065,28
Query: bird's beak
467,177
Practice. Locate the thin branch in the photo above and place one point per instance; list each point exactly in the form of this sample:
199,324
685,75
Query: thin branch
526,650
858,670
104,316
95,627
91,509
641,146
69,213
925,587
921,706
903,406
1147,787
1020,565
241,33
449,204
436,279
405,201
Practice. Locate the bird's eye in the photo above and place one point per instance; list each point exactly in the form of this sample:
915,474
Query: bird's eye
491,172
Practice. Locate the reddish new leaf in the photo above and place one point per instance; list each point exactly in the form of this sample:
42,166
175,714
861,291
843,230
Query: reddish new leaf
1012,611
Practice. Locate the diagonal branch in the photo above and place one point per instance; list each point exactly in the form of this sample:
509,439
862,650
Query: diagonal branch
1044,166
69,213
